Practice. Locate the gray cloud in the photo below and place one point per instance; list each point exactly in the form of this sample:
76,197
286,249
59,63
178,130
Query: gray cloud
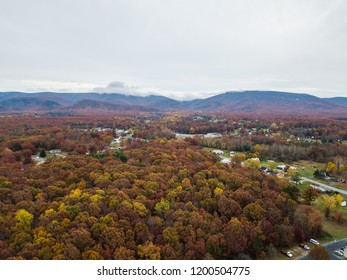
123,88
117,87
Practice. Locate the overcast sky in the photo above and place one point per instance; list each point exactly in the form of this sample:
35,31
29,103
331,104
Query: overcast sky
178,48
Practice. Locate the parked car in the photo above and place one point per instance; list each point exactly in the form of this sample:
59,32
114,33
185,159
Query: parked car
339,252
289,254
313,241
304,246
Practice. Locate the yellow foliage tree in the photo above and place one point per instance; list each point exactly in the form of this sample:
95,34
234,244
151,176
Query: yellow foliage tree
140,209
24,219
218,191
331,167
252,163
91,255
272,165
331,203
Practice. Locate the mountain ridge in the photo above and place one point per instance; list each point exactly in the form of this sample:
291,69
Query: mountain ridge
252,102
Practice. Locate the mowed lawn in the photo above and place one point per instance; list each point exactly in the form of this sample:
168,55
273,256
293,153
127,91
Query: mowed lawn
306,168
335,230
303,186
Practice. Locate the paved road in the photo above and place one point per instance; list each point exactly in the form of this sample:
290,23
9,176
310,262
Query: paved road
331,247
324,185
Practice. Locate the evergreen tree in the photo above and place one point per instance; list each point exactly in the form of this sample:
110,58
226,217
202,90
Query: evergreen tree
43,153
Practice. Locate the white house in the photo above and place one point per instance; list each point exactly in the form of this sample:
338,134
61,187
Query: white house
281,167
226,160
218,152
56,151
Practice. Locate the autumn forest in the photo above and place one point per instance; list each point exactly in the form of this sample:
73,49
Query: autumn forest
154,186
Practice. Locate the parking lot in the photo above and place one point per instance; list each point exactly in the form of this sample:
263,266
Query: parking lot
331,248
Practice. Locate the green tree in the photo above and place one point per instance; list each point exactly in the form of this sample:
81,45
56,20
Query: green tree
121,156
43,153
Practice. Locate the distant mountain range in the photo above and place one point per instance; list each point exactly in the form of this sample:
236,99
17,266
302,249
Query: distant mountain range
250,102
342,101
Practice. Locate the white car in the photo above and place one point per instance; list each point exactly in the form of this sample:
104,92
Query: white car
304,246
287,253
313,241
339,252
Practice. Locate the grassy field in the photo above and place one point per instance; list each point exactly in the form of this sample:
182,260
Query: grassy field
335,230
317,204
306,167
342,186
266,164
303,186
